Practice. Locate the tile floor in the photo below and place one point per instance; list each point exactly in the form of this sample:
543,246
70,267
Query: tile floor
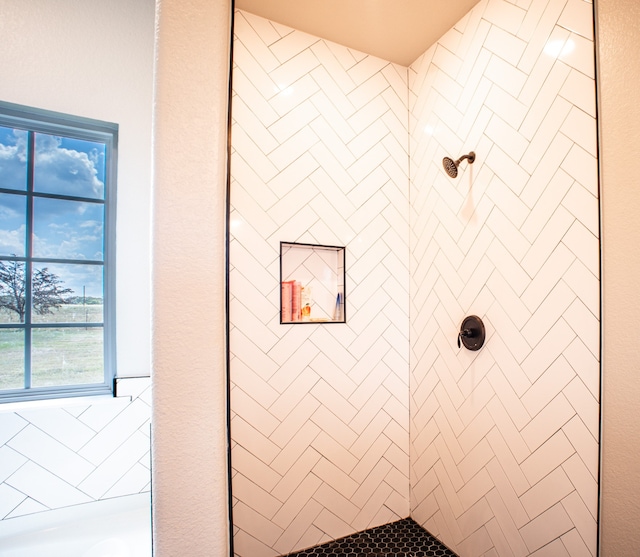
404,538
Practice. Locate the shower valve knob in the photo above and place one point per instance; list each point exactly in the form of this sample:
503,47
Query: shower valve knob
472,333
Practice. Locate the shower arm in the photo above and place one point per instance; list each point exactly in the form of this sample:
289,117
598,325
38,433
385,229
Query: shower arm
471,156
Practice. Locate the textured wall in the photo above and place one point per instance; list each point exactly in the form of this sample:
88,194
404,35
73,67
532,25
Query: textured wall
320,412
619,115
189,450
504,444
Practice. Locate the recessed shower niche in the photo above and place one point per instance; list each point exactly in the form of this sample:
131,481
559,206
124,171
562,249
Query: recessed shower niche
312,283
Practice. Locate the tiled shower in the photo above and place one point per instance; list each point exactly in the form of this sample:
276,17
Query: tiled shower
341,427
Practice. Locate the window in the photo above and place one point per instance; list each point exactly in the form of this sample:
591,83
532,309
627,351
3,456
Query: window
57,216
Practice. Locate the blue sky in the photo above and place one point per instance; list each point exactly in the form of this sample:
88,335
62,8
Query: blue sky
63,229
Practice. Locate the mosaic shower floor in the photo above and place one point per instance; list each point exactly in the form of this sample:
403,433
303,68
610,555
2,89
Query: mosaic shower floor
404,538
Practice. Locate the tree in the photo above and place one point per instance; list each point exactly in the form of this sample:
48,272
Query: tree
47,292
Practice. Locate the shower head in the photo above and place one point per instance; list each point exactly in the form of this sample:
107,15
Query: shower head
451,166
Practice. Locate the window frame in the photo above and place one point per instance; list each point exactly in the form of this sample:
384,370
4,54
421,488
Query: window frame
75,127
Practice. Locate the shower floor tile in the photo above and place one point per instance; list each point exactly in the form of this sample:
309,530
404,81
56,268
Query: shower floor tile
404,538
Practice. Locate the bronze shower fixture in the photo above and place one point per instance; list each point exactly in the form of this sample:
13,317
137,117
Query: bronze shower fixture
451,166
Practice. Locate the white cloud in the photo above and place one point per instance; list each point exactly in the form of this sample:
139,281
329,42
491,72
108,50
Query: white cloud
12,241
13,156
66,171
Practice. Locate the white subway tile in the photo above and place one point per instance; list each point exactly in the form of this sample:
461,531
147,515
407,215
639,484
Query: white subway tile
507,169
10,461
505,537
251,521
247,119
111,436
578,53
545,388
51,455
248,464
505,15
586,486
580,90
507,298
136,480
509,433
547,350
368,91
509,333
547,460
10,500
534,11
548,312
586,447
506,106
585,404
291,45
474,58
508,266
508,397
10,424
45,487
331,101
547,492
585,364
585,285
265,29
551,123
579,513
581,128
504,44
446,61
366,67
508,476
584,245
255,33
583,167
574,544
260,163
543,29
548,238
507,202
332,494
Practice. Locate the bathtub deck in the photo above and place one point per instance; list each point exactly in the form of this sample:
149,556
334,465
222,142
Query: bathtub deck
119,526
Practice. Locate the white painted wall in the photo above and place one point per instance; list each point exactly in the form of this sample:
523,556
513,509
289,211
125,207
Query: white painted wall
90,59
95,59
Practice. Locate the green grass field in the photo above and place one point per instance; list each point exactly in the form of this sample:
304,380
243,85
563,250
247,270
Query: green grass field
60,356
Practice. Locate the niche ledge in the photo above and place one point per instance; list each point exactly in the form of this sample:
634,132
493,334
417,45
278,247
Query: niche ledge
312,280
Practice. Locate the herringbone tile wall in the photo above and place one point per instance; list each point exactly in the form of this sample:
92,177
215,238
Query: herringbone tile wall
54,456
504,442
320,412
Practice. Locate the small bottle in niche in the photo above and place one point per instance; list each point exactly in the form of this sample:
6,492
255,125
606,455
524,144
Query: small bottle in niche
305,303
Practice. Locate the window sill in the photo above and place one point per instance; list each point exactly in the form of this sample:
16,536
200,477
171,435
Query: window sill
54,403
